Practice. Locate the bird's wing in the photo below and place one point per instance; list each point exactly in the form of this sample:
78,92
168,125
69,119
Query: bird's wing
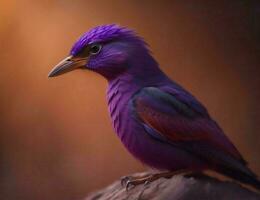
179,119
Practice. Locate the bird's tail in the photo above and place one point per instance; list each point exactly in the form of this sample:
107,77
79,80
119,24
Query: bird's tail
235,169
244,176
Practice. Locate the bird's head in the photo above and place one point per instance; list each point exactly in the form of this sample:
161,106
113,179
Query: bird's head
108,50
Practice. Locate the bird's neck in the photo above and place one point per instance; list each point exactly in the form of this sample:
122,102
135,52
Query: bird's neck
141,72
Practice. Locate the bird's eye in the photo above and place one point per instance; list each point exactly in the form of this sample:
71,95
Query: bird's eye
95,49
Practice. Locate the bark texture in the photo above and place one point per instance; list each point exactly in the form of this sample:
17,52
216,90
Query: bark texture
179,187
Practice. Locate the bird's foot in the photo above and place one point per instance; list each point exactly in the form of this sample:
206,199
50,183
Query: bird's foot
130,181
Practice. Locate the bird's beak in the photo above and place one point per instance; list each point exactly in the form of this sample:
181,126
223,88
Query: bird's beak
66,65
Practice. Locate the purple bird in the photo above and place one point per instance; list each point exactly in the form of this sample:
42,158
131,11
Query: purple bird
158,121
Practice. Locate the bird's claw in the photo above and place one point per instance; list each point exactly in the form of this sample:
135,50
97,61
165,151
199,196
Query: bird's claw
127,182
147,182
129,185
130,182
124,180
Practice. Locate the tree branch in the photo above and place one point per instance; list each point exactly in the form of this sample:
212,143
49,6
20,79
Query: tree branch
195,187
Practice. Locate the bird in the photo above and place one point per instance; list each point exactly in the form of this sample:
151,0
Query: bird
159,122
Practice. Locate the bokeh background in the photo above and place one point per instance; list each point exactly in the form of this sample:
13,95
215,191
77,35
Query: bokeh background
56,138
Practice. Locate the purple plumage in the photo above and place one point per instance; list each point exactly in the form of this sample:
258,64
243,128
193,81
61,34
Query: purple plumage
158,121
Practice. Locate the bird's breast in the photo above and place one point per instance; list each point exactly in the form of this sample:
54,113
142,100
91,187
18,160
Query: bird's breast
119,95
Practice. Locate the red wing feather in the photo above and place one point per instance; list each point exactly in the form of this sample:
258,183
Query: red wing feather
171,122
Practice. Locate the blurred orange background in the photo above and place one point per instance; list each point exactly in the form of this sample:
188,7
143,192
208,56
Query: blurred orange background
57,141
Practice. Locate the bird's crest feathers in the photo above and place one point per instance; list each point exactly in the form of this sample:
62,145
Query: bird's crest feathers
104,33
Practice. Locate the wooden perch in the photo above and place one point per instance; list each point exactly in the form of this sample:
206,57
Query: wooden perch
195,187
